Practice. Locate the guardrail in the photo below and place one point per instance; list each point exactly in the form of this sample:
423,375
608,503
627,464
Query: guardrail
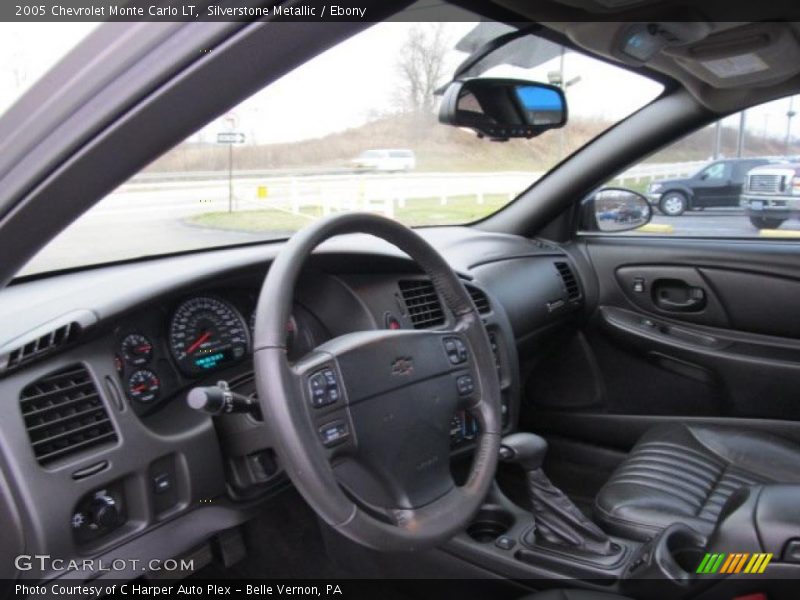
334,190
385,193
328,193
660,171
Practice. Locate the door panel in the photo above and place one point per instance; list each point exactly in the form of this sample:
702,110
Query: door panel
758,302
670,290
714,187
729,298
748,375
733,354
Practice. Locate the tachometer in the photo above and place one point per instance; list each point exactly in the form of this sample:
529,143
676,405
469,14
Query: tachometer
206,334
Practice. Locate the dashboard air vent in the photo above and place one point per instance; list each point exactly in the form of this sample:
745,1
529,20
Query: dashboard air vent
43,340
44,344
64,414
480,299
570,283
422,303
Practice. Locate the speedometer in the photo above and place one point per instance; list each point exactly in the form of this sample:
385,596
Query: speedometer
206,334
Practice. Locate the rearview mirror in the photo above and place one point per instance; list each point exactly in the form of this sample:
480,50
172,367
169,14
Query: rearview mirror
501,109
615,209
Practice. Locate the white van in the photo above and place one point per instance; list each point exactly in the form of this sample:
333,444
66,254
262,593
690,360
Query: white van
385,160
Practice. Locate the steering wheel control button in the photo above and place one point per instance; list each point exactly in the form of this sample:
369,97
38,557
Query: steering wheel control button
465,385
505,543
324,388
456,351
334,432
317,387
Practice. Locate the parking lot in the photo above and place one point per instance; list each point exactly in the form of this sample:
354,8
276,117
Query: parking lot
718,222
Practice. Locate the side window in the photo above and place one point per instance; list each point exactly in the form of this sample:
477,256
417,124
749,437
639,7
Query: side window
717,171
738,177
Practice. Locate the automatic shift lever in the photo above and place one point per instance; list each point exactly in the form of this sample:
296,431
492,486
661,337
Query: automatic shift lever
557,520
525,449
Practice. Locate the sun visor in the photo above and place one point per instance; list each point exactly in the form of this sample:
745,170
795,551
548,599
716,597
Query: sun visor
756,54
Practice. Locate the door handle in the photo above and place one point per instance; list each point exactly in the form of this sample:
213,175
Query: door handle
678,296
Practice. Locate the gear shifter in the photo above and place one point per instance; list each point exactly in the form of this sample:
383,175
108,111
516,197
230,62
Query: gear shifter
557,521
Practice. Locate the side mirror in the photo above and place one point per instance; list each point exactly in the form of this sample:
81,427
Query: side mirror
501,109
615,209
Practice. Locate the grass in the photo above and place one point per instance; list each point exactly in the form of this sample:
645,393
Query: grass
417,211
637,186
459,209
274,221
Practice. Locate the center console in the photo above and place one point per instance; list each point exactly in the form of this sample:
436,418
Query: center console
499,540
553,539
757,539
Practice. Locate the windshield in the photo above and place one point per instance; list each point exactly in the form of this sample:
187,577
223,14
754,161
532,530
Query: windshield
354,129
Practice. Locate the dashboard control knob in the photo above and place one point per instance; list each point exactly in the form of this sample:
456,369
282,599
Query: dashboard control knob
104,511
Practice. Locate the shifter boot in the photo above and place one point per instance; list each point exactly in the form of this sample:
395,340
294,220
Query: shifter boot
559,522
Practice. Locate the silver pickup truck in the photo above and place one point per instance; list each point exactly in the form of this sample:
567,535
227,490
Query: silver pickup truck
771,195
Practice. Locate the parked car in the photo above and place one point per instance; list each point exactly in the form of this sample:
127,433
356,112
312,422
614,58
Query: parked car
386,160
718,184
771,195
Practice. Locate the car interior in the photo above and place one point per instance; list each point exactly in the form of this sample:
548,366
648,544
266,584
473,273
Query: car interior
530,405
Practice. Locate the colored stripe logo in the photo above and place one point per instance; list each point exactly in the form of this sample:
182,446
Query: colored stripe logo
732,563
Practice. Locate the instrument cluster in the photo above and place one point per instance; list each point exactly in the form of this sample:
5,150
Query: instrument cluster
160,352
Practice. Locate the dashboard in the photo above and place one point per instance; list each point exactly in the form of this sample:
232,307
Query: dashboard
102,457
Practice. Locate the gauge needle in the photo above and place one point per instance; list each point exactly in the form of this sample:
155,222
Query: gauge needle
197,342
139,388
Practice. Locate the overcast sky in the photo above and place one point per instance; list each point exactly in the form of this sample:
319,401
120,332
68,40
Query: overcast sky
351,83
28,50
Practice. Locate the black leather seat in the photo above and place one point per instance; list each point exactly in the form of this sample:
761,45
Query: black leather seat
685,473
573,595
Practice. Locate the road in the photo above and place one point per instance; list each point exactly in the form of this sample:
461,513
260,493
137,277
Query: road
128,224
150,218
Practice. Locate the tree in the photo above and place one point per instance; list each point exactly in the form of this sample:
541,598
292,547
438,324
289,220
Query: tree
422,66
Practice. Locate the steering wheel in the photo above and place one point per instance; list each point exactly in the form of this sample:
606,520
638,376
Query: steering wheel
362,423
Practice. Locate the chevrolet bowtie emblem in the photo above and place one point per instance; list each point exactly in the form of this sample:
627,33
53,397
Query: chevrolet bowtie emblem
403,366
